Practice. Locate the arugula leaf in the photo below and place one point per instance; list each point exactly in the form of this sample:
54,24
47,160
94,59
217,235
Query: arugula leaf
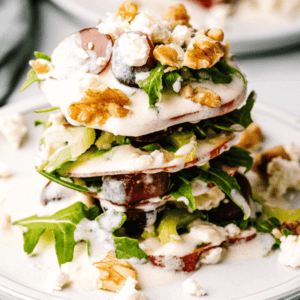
42,56
45,122
31,78
170,78
127,248
286,232
184,190
227,184
57,179
150,147
215,75
62,224
234,157
153,85
46,110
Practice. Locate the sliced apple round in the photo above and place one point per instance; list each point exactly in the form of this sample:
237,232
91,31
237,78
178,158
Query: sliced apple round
127,159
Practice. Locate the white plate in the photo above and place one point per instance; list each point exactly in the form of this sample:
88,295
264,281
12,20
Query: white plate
246,34
252,279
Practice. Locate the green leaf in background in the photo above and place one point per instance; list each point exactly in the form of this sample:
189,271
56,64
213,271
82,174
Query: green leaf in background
40,55
153,85
62,224
170,78
234,157
31,78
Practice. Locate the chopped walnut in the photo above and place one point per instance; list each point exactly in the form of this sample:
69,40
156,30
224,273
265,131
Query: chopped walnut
293,226
251,137
39,67
202,52
167,56
215,34
206,97
187,91
176,15
127,11
201,95
113,272
261,160
99,105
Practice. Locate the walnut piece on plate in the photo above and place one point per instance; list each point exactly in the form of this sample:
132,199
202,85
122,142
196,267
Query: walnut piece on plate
113,272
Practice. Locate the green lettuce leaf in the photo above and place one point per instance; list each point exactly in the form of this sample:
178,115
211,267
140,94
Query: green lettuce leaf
31,78
62,224
153,85
40,55
170,78
234,157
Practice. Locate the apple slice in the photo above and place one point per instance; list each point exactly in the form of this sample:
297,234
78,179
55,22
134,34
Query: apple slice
192,261
127,159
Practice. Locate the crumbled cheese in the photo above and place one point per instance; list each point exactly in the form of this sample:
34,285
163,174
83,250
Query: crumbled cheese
147,24
5,170
81,53
56,279
13,128
113,25
191,287
284,174
232,230
101,61
177,85
181,35
128,291
210,198
141,76
91,46
134,48
207,233
185,200
99,233
290,251
47,70
71,269
212,256
293,151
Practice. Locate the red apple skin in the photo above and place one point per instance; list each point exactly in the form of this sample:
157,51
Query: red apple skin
100,43
191,262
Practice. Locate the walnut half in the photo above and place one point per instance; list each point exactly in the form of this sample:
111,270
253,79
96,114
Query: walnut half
113,272
202,52
99,105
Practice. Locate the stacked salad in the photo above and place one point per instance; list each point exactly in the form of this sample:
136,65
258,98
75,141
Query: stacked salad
146,116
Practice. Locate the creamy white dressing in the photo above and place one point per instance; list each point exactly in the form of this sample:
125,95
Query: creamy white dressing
141,120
